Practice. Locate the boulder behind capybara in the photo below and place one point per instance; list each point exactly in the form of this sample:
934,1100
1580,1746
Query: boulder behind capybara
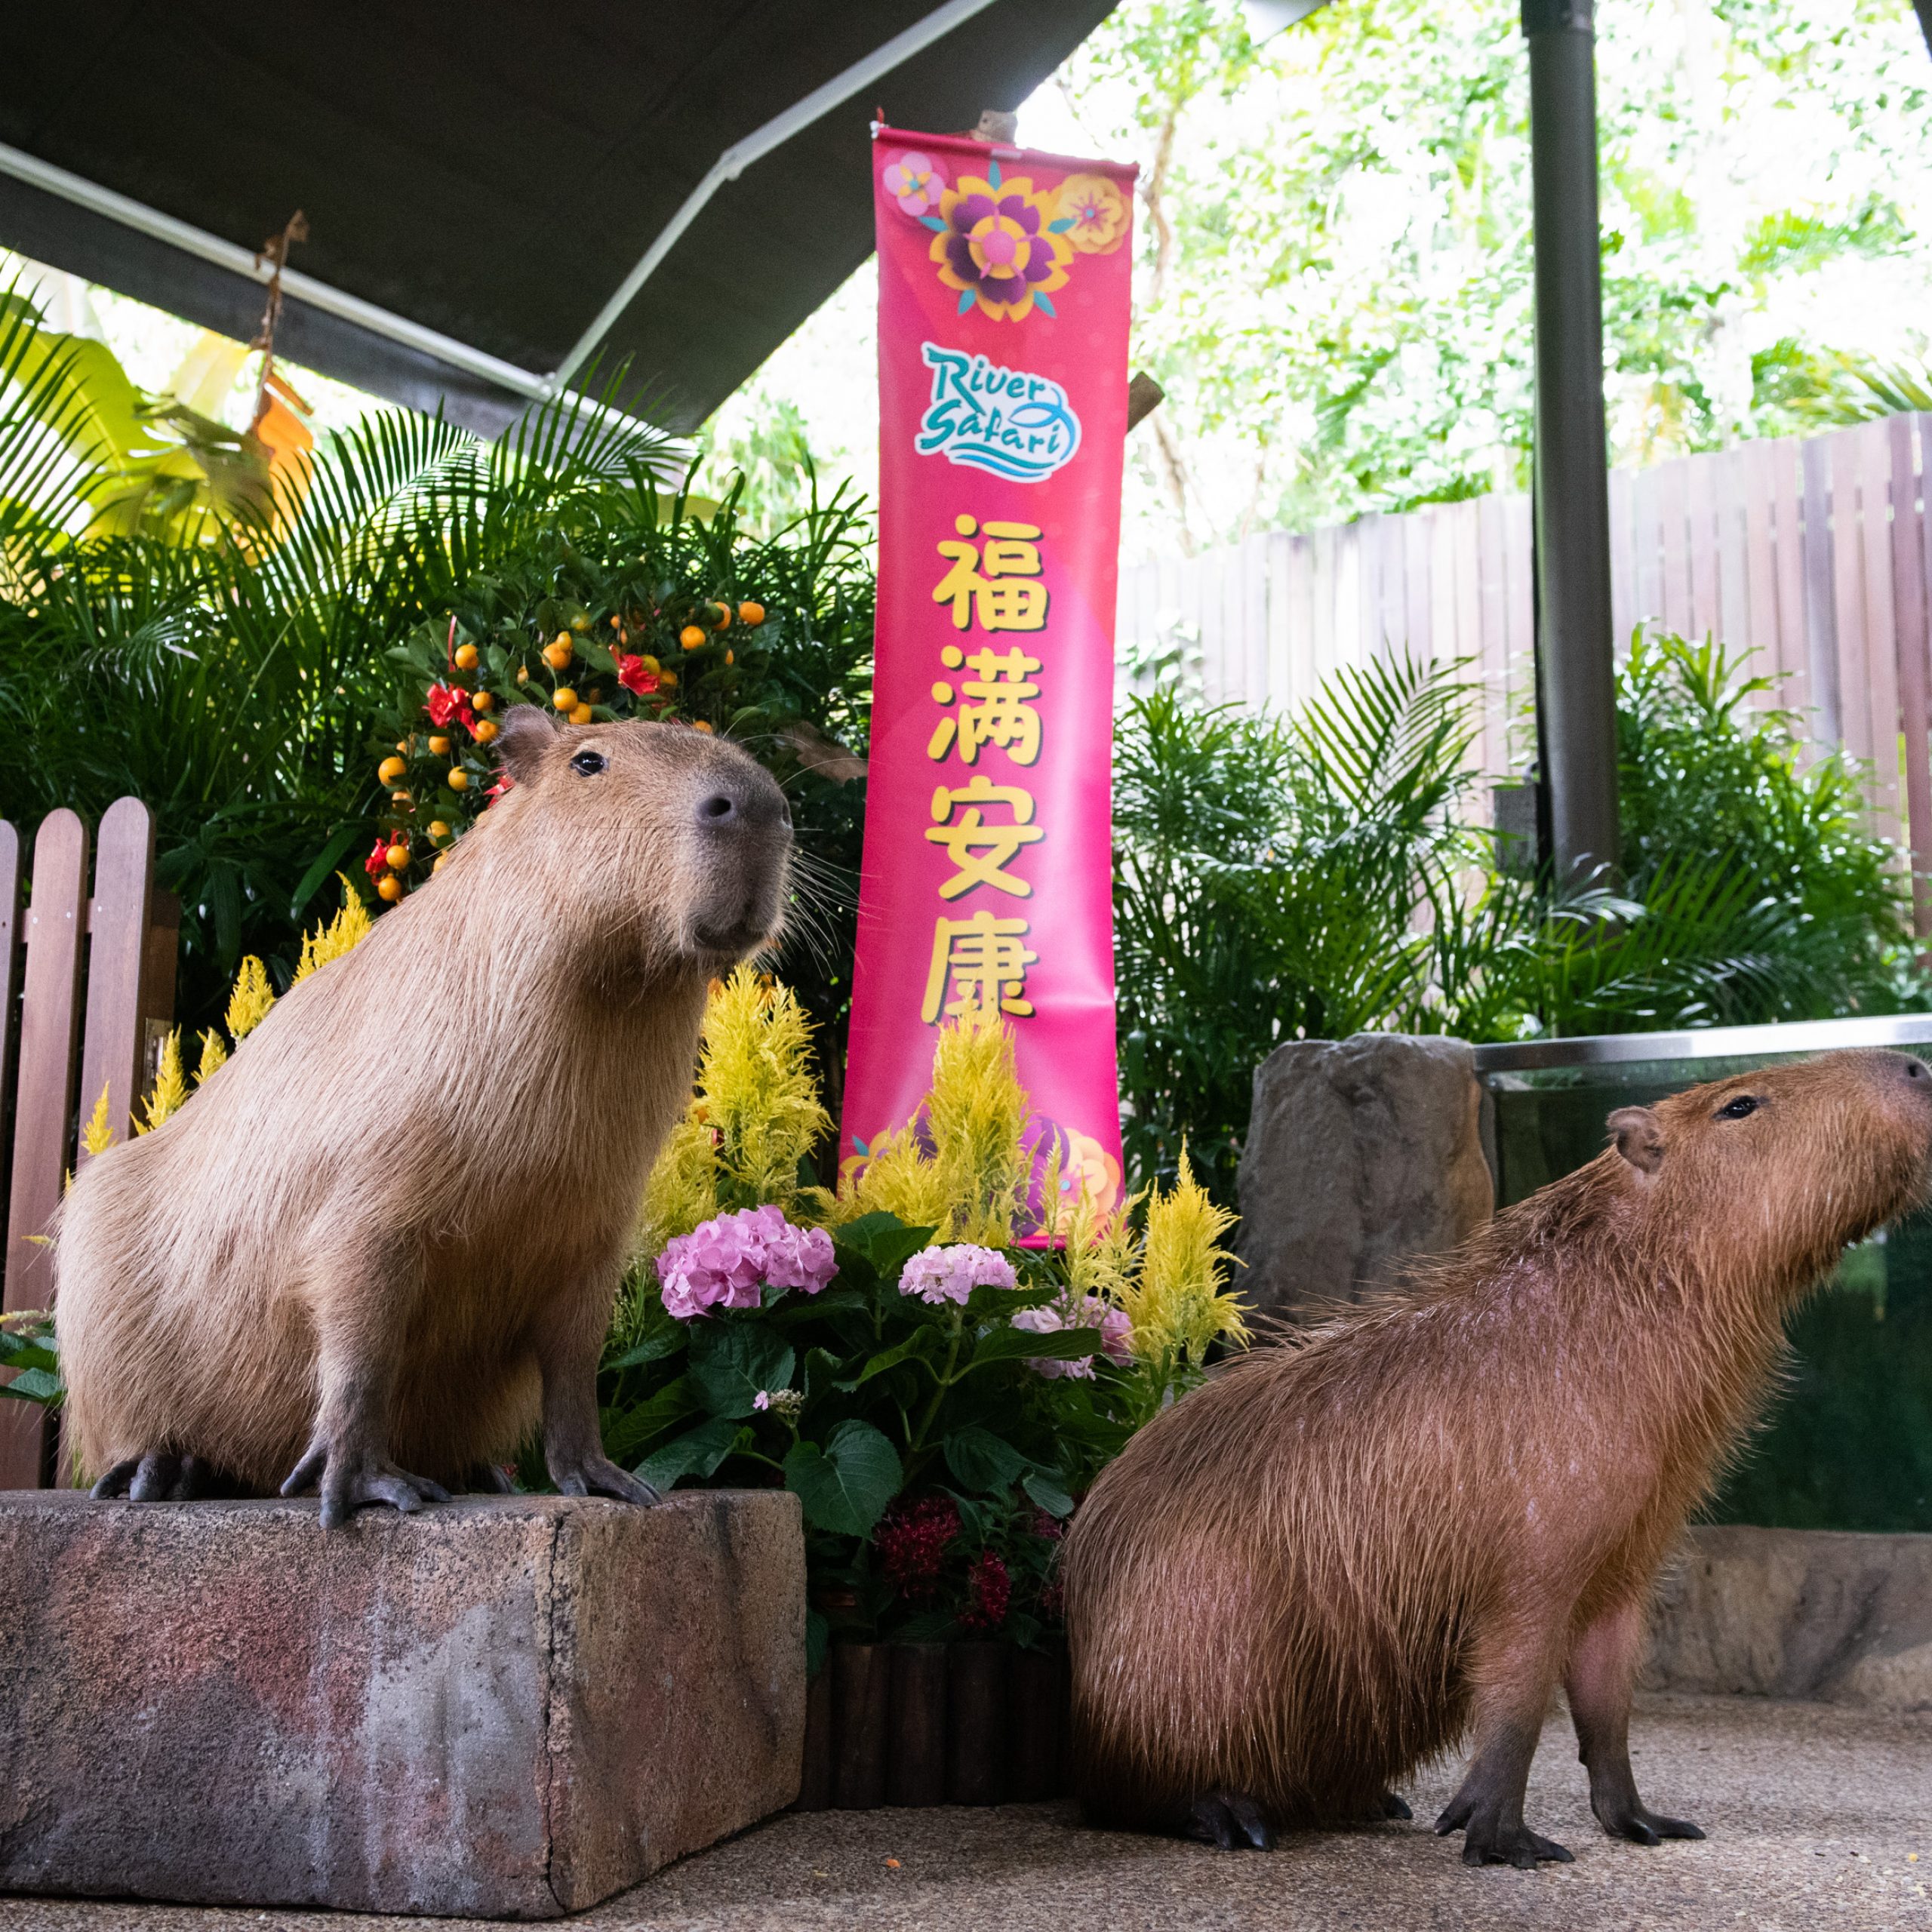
1339,1557
380,1247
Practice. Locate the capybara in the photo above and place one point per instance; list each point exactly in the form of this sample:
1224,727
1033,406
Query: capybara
380,1246
1343,1555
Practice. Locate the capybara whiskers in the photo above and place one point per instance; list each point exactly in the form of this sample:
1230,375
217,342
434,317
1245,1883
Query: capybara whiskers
1347,1553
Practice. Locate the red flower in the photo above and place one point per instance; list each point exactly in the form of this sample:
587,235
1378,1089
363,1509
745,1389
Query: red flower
911,1544
449,703
992,1590
377,864
632,675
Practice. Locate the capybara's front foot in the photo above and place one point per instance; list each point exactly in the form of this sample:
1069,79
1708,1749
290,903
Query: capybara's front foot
1389,1806
350,1480
598,1475
1490,1839
1230,1819
157,1476
1628,1819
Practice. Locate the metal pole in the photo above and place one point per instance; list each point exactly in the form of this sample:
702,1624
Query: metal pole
1576,682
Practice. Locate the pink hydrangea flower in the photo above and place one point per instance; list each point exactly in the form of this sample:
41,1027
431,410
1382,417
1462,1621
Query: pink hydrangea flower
915,183
1092,1313
725,1262
938,1275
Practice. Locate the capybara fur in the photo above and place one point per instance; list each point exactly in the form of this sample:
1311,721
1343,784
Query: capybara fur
1336,1560
379,1249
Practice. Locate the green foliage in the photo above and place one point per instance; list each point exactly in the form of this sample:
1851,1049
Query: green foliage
1310,878
1334,240
863,1395
30,1359
236,684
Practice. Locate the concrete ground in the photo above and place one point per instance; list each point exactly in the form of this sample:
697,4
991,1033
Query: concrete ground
1819,1816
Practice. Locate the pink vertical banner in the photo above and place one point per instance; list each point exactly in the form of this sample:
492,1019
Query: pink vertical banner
987,880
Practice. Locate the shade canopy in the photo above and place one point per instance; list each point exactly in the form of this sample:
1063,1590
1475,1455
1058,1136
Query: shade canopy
502,197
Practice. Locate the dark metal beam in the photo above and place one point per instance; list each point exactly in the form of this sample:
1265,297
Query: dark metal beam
1575,681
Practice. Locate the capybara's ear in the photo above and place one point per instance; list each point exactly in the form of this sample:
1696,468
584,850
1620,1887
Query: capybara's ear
1639,1139
526,734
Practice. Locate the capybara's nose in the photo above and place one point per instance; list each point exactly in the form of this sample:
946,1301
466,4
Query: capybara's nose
737,802
1915,1069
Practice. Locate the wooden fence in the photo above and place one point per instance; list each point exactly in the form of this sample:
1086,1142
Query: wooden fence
87,991
1816,552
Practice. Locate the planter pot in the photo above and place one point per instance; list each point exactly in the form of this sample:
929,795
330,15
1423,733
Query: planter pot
861,1700
915,1753
935,1724
976,1724
1037,1692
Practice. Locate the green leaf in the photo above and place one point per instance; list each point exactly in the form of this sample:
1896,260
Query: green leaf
983,1462
35,1385
818,1636
914,1345
345,836
1047,1493
1020,1345
822,1369
884,1239
731,1361
654,1347
626,1430
696,1453
845,1486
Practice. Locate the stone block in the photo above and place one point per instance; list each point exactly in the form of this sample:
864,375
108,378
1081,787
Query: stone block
501,1707
1831,1614
1361,1153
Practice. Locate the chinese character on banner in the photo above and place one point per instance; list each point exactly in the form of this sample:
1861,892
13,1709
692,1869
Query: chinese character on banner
986,884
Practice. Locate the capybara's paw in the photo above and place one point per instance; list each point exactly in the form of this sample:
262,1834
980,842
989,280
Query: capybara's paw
1389,1806
1630,1820
1487,1840
598,1475
350,1481
156,1477
1231,1820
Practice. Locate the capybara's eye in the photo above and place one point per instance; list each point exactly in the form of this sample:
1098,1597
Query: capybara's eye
1737,1109
588,763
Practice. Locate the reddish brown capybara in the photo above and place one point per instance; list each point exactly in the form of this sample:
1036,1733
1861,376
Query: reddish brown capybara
380,1247
1346,1554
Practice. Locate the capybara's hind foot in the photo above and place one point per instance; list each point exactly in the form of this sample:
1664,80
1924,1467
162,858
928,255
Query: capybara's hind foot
1488,1840
350,1481
157,1476
598,1475
1230,1819
1632,1822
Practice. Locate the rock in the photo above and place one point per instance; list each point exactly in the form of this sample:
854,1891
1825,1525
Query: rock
505,1707
1832,1614
1360,1153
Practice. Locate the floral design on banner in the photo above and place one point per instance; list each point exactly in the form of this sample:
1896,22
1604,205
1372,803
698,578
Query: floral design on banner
914,182
1098,211
1003,246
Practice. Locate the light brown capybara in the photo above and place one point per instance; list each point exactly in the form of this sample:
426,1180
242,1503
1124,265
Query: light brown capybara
381,1245
1340,1557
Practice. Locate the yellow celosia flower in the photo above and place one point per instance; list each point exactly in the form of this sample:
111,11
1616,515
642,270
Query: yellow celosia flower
214,1056
343,933
969,1184
171,1085
1176,1301
899,1178
756,1089
97,1137
248,1005
976,1111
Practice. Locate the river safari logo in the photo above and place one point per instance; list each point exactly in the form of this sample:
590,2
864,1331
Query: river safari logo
1003,421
